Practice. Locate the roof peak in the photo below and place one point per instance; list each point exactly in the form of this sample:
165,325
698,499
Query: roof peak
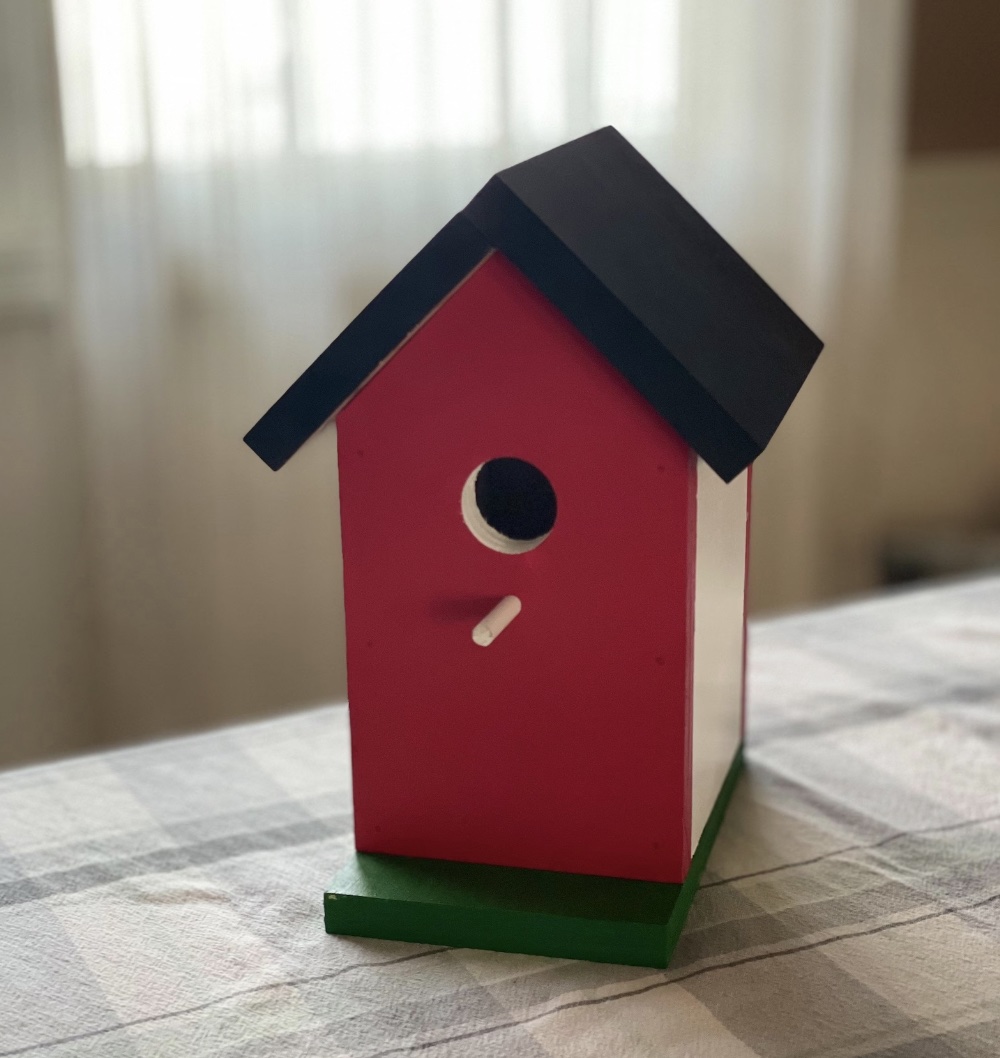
632,264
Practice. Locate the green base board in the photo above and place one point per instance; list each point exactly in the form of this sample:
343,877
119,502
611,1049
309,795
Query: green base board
468,905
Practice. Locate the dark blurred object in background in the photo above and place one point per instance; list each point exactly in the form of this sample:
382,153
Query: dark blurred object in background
954,96
927,554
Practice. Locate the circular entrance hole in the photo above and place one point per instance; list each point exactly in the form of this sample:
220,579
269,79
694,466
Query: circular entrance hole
509,505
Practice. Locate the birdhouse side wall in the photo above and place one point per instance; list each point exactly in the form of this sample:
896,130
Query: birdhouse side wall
719,636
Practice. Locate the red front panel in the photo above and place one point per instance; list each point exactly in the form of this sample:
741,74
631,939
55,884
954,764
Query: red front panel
561,746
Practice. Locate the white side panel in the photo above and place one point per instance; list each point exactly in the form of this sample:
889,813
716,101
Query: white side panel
720,578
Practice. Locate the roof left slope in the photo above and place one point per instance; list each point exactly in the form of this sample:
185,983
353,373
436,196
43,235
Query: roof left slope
342,368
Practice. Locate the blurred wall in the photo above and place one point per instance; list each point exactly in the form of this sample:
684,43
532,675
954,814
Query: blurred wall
46,675
224,219
940,419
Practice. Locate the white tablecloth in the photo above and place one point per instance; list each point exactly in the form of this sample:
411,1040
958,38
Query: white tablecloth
166,900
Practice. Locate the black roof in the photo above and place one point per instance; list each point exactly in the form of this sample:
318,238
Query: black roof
638,271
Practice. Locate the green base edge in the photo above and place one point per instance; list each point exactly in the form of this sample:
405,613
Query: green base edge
469,905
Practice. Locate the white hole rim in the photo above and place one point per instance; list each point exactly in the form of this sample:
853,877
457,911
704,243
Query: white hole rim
481,528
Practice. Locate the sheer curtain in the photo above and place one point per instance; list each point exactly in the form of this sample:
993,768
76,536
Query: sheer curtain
245,174
188,82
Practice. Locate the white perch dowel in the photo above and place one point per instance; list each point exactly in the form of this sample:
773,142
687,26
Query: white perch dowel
496,620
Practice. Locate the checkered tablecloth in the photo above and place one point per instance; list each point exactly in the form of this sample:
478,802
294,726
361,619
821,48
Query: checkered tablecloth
166,900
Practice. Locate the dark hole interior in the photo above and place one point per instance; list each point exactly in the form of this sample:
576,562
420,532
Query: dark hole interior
515,498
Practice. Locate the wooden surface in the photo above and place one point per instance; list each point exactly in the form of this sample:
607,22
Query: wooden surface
564,745
462,905
486,631
718,661
569,916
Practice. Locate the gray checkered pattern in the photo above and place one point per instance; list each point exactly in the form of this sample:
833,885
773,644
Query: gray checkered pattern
166,900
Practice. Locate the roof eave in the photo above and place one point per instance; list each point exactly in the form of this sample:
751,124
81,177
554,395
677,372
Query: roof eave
359,350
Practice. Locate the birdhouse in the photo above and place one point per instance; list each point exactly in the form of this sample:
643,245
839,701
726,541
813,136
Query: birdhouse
545,425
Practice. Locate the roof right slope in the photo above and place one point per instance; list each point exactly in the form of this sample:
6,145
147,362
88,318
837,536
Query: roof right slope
659,292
